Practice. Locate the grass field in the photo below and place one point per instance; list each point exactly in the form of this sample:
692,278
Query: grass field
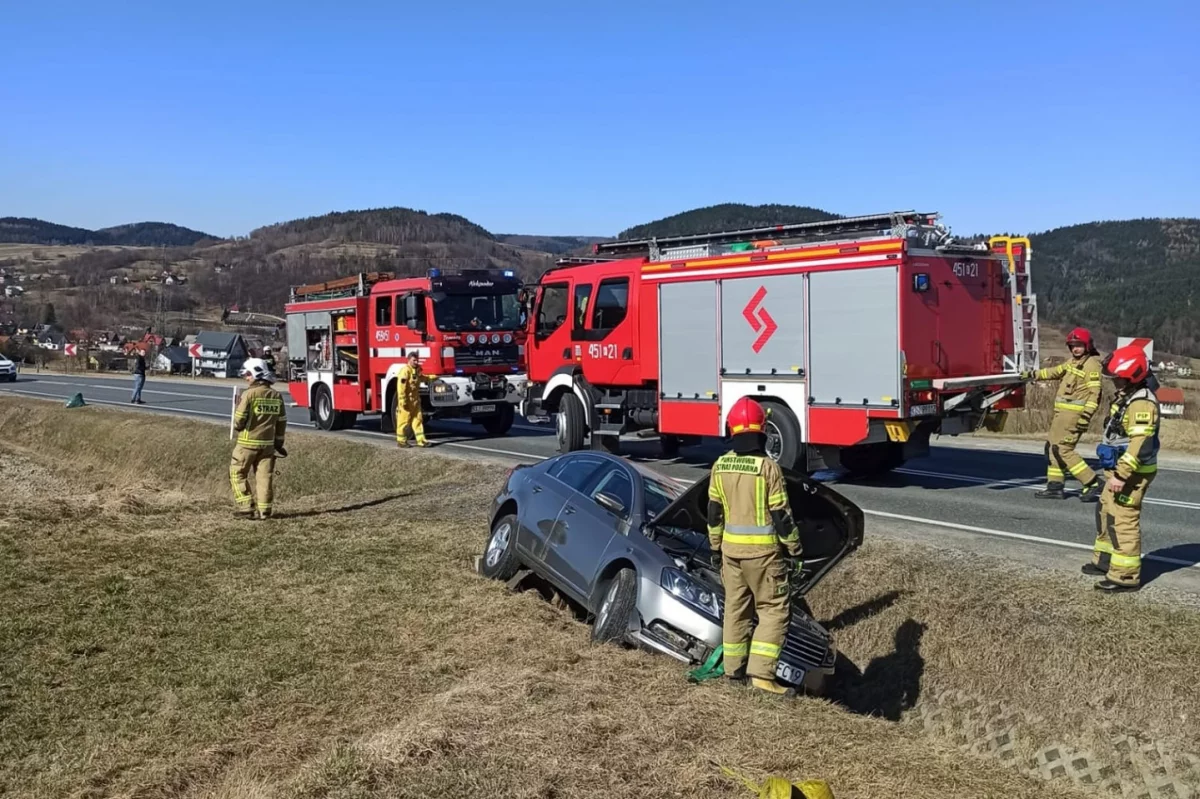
154,646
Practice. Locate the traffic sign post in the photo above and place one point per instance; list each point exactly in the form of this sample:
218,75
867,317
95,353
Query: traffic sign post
71,350
194,350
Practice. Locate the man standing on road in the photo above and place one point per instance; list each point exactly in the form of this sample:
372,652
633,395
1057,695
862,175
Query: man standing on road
408,402
1077,399
260,421
1129,456
749,528
139,377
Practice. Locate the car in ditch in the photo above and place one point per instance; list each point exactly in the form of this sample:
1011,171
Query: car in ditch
630,547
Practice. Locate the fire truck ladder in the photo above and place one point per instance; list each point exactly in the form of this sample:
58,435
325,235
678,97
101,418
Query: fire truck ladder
356,286
846,226
1024,303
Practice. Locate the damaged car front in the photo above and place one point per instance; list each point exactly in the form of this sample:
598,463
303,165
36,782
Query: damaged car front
681,600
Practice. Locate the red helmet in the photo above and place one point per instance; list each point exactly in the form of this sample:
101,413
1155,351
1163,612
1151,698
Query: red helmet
746,416
1128,362
1080,335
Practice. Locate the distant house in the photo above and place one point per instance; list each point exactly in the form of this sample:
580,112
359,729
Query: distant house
51,340
173,360
13,291
1170,400
221,354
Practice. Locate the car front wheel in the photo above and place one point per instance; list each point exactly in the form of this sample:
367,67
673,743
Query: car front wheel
616,608
500,558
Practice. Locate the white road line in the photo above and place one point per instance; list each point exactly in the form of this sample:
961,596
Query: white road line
1034,485
175,411
1017,536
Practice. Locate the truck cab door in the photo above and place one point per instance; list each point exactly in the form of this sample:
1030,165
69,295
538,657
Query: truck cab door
605,331
549,342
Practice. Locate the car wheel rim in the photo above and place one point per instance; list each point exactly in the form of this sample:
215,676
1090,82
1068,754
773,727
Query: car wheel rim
498,544
606,605
774,444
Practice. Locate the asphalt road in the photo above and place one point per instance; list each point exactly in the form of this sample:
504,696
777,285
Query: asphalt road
972,495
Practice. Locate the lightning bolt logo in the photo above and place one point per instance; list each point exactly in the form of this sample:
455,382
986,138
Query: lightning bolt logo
760,321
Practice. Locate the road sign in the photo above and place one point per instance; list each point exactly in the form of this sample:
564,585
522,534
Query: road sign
194,350
1147,344
70,350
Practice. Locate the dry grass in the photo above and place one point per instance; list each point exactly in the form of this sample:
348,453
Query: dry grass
156,647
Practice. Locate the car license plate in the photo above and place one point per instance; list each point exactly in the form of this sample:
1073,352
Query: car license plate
923,410
483,409
788,673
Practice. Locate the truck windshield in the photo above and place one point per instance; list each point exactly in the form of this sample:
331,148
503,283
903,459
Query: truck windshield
456,312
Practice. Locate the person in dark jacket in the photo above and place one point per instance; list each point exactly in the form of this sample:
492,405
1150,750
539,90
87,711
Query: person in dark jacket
139,378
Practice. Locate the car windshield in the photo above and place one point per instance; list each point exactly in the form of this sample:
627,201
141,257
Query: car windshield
659,494
457,312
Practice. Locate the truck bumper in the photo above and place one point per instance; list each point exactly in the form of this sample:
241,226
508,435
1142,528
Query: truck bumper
459,395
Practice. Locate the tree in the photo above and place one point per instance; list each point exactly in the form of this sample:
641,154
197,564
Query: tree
48,316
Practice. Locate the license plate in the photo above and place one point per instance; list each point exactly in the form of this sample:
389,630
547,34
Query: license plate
789,673
923,410
483,409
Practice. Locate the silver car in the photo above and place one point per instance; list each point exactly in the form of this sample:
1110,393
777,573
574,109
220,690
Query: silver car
630,546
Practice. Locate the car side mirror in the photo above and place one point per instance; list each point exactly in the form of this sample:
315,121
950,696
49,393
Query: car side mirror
610,503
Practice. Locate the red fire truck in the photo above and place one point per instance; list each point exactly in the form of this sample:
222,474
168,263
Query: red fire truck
862,336
348,338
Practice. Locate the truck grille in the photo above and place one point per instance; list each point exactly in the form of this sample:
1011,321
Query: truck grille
496,355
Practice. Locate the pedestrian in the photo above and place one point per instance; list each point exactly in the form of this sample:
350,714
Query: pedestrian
408,401
1129,456
260,421
139,377
756,544
1076,400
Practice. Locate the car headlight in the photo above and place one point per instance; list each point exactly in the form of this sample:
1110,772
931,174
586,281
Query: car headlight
691,592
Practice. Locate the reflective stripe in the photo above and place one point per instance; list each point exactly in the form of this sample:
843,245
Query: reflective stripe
736,650
1079,468
1065,405
1054,471
713,531
765,650
760,501
754,535
749,529
1143,430
254,443
777,499
1126,561
1104,548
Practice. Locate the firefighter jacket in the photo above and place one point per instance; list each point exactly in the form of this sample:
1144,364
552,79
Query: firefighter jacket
409,380
748,510
1130,444
1078,387
260,419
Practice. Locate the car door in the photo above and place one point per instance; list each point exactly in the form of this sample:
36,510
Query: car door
586,529
569,474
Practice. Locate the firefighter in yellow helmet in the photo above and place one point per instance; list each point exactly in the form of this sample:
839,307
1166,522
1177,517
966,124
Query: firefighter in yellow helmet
408,401
260,421
1129,456
750,528
1076,401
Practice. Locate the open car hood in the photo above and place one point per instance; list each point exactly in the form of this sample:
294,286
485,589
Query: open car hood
831,526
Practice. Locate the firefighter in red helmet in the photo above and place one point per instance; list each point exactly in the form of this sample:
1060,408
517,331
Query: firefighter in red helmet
1077,398
1129,456
751,531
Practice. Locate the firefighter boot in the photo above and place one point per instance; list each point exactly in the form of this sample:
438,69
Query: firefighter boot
1092,570
1109,587
1051,491
772,687
1091,491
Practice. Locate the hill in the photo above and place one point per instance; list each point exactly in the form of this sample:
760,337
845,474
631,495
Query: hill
555,245
729,216
23,230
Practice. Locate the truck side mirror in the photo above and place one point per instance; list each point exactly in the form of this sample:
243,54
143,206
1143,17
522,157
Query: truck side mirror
412,314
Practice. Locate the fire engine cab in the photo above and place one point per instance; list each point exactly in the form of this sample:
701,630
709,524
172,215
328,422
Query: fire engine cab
348,338
861,336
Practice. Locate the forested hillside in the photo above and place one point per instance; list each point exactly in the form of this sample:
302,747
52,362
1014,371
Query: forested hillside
729,216
21,230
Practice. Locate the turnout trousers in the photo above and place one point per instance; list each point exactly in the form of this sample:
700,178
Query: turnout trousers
410,415
1061,457
248,461
1119,530
755,584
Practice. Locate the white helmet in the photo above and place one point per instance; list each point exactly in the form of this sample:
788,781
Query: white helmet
266,350
258,369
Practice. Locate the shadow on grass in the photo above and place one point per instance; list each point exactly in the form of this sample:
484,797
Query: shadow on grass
891,684
862,612
1186,556
371,503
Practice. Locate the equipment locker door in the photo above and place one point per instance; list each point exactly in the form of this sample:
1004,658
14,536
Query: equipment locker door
854,338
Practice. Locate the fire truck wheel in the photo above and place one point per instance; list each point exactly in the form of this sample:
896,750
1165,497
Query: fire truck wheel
571,423
501,423
323,408
868,460
783,435
669,445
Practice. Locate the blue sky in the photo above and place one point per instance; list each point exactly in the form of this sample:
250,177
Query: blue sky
588,117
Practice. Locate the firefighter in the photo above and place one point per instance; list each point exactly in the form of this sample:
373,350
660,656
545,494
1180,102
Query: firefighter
260,421
1077,399
269,359
408,401
1129,457
750,528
